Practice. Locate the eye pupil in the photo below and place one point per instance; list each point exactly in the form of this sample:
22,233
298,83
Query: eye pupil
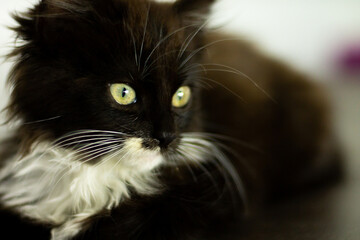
124,92
180,95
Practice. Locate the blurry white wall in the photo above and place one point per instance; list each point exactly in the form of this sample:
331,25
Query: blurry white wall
305,33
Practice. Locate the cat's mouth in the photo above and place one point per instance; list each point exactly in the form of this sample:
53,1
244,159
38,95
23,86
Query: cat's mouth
134,156
151,156
112,149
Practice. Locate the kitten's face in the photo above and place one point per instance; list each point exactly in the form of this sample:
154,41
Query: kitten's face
125,70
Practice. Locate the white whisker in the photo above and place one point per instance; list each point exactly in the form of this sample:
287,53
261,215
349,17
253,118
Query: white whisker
156,59
77,165
238,72
185,162
94,154
226,88
202,48
193,157
187,41
195,144
163,40
144,34
134,45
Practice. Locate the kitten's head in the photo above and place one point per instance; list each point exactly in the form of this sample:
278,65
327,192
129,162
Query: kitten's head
124,71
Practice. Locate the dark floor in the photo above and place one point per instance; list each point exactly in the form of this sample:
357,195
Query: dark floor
329,213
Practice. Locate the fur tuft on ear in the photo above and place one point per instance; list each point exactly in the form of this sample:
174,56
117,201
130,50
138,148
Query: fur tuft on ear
100,7
193,6
193,11
67,6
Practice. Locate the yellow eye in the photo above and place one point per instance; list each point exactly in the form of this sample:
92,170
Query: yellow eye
181,97
123,94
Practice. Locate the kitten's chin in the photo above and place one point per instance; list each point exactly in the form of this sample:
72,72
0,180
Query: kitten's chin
134,157
146,161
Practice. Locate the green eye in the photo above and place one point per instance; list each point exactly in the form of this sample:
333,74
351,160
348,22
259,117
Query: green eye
181,97
123,94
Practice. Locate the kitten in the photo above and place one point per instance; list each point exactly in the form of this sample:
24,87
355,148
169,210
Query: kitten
138,123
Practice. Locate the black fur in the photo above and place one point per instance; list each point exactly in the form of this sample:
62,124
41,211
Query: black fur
75,48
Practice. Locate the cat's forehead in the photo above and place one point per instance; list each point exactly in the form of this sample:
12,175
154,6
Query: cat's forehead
150,20
155,37
111,39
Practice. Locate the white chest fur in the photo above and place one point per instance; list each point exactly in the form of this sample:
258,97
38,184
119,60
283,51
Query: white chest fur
50,186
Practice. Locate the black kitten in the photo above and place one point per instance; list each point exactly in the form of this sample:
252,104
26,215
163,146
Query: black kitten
137,123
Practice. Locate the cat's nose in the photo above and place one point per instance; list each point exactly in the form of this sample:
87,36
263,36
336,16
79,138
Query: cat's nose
150,143
165,139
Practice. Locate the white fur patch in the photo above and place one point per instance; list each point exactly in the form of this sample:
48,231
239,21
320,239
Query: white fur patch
49,185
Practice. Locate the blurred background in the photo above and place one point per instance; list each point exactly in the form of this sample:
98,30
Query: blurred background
318,37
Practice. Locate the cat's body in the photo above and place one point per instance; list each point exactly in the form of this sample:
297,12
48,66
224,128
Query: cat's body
149,170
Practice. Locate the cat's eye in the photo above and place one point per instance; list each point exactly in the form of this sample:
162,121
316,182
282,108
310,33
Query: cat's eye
123,93
181,97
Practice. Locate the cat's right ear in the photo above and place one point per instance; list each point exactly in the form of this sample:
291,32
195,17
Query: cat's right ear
193,10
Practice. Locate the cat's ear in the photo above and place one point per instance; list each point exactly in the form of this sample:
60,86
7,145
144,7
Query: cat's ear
193,8
57,20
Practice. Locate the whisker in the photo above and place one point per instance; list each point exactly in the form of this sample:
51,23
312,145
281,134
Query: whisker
202,48
187,42
98,153
88,142
158,58
77,135
238,72
228,166
135,48
144,34
230,150
187,165
226,88
74,142
196,66
211,136
203,84
108,158
88,133
79,164
119,160
98,131
89,150
209,149
54,145
92,154
224,174
203,168
84,134
163,40
41,121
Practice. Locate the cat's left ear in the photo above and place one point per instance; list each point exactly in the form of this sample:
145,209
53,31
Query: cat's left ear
193,9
